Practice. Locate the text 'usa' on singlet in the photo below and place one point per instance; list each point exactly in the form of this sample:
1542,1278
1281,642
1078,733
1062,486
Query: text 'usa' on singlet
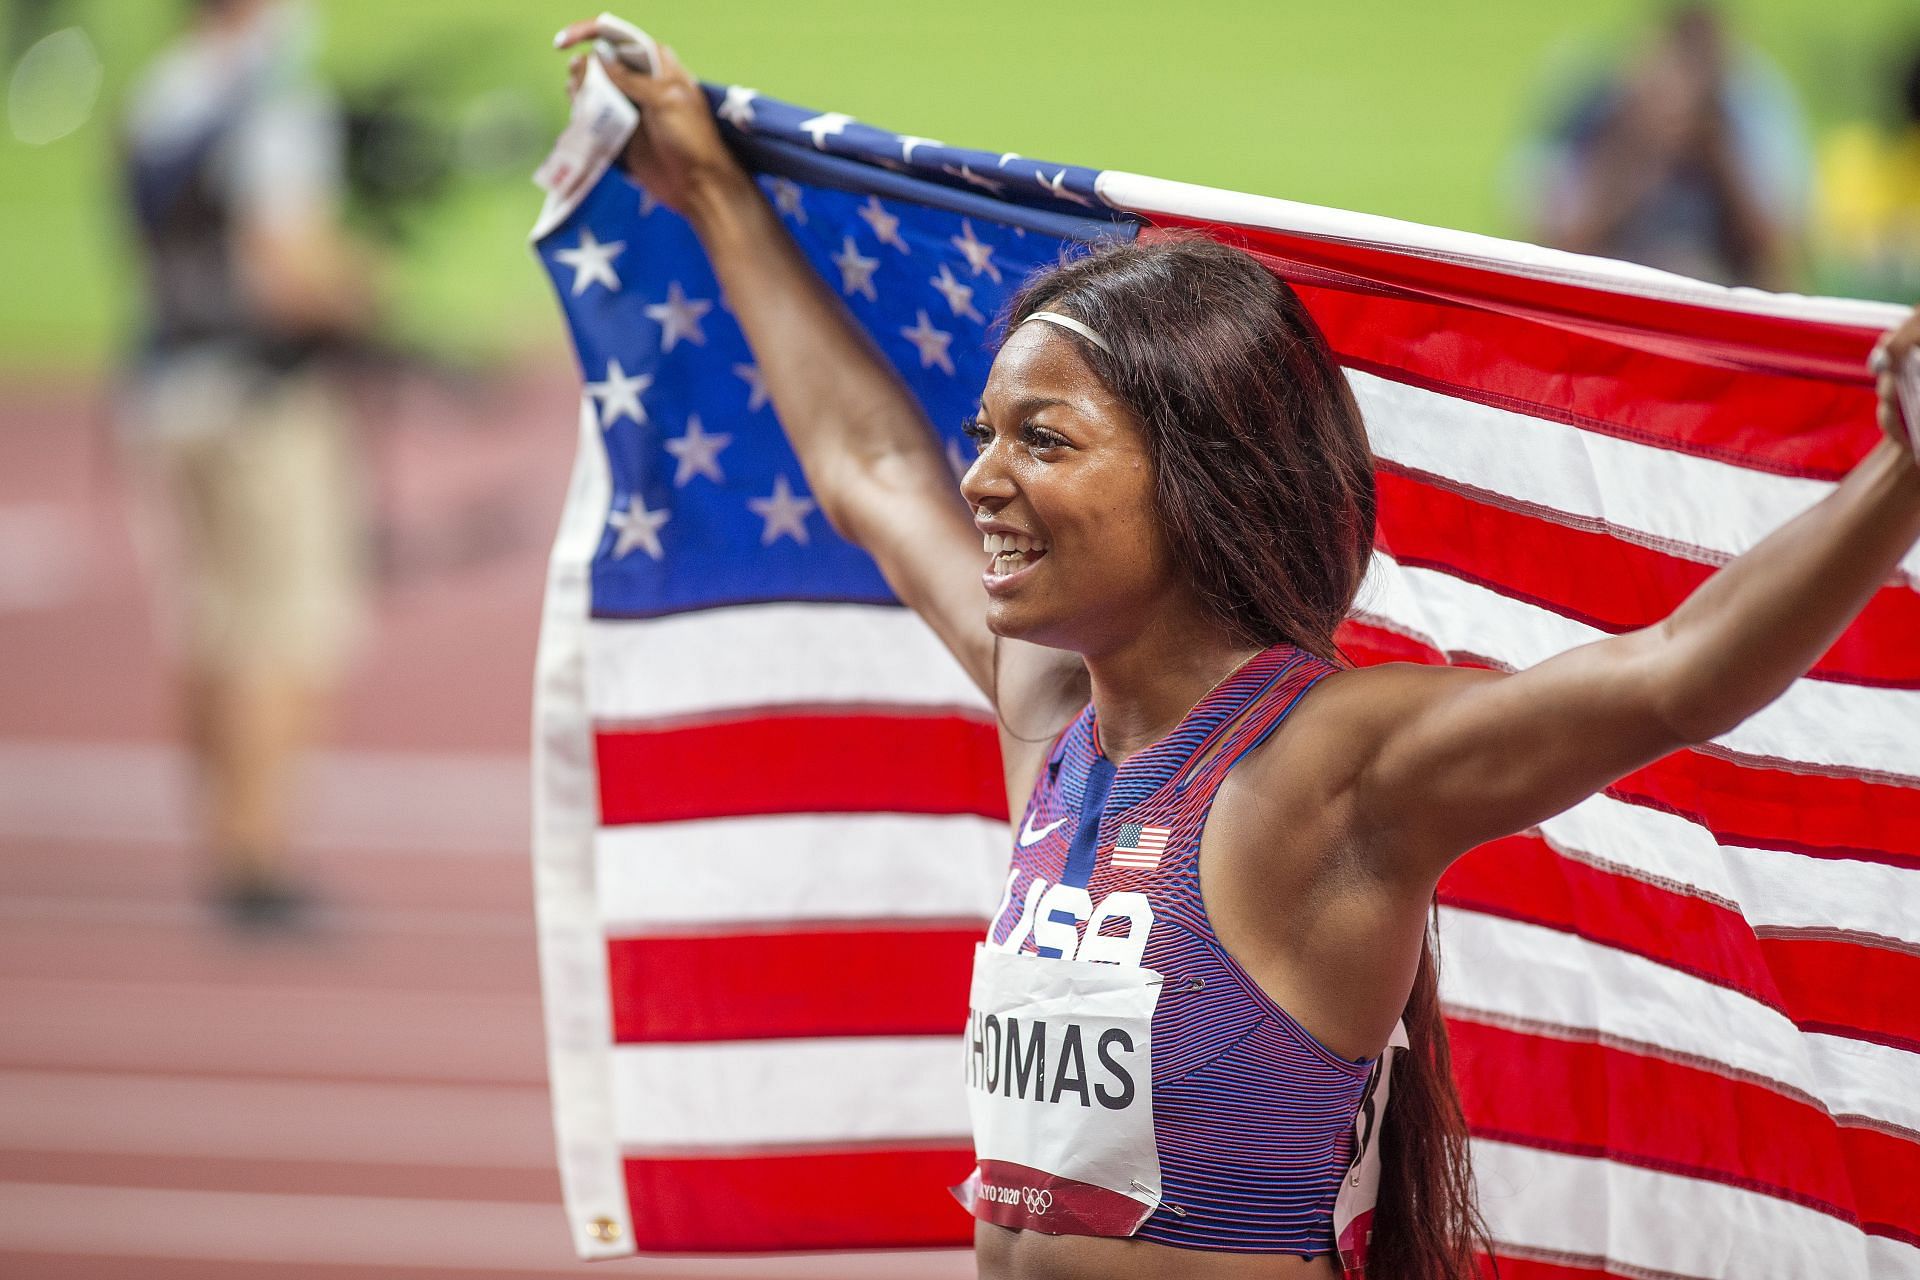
1126,1077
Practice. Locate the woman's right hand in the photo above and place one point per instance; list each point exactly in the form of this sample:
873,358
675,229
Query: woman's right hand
676,150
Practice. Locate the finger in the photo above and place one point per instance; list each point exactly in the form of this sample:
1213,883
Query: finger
670,64
1887,411
638,85
1877,361
575,32
576,72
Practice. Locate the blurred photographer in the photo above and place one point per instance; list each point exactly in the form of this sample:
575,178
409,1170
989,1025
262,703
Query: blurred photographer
1692,158
239,437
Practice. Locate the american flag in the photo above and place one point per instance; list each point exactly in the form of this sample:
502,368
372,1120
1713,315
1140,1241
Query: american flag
770,817
1138,847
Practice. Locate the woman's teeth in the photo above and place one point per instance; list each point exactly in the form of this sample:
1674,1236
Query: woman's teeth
1012,551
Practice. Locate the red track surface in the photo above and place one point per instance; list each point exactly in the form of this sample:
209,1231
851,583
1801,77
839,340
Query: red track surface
368,1101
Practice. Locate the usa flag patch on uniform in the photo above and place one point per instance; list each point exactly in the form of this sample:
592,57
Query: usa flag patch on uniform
1139,847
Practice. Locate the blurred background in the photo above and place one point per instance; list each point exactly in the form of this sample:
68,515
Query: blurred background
285,421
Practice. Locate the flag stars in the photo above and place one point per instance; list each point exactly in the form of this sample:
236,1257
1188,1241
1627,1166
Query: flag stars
756,385
932,344
886,226
737,110
679,317
786,199
966,174
959,296
785,514
822,127
909,143
619,395
856,271
979,255
592,262
635,526
1056,187
697,453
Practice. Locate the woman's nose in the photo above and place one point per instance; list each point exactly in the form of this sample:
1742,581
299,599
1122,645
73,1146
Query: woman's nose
986,482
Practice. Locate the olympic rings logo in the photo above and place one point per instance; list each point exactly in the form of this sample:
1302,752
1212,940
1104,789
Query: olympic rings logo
1038,1200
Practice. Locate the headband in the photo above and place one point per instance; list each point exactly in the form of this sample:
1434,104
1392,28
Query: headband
1068,322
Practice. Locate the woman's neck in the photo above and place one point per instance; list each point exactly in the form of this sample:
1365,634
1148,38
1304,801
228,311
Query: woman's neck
1143,687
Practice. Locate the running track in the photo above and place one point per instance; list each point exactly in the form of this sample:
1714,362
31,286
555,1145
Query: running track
176,1103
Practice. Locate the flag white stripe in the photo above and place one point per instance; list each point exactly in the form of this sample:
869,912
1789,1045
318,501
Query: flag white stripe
760,655
573,953
1507,969
805,867
1861,1078
1545,1201
827,1091
1668,496
1892,1259
1510,969
1821,722
1794,891
1771,887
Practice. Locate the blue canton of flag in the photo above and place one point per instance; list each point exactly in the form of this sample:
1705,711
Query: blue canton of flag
709,506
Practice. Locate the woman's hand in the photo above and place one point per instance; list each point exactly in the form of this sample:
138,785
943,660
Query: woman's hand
677,150
1890,356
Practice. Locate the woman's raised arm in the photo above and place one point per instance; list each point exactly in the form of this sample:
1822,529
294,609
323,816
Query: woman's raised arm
1448,758
871,459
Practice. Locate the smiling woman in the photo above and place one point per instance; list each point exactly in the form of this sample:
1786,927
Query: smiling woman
1212,942
1263,480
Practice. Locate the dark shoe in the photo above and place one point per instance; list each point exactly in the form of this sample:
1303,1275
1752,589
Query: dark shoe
265,904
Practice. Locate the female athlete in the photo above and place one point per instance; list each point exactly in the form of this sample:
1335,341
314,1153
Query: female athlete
1229,841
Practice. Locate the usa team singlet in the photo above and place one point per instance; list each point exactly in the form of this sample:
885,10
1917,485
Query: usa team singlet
1125,1076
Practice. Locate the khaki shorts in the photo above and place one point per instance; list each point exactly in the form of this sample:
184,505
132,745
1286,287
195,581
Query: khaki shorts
253,519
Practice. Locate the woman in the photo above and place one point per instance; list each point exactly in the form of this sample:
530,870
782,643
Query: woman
1229,842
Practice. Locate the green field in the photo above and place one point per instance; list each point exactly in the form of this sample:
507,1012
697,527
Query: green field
1397,108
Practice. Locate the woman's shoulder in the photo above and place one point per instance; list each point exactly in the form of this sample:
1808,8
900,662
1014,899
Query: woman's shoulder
1341,722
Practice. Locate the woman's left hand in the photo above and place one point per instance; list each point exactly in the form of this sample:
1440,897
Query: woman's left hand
1890,355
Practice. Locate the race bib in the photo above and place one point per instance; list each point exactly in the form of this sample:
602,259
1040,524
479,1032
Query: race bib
1060,1086
1360,1188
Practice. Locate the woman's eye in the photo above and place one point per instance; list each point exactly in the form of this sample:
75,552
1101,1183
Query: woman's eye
978,432
1041,438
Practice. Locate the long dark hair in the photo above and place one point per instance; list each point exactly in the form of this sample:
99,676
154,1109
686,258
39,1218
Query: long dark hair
1264,483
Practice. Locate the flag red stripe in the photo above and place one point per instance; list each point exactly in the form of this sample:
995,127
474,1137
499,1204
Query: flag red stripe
1604,581
1848,988
1840,988
816,982
1590,1099
1743,804
1762,808
1774,393
1886,1169
1520,877
812,1200
810,762
1770,422
1512,1268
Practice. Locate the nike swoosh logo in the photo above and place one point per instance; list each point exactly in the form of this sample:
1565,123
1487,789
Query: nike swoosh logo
1028,835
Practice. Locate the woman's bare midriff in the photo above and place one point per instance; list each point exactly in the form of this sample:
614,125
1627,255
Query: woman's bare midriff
1032,1255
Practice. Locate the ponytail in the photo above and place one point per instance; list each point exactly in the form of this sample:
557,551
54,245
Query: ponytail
1426,1223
